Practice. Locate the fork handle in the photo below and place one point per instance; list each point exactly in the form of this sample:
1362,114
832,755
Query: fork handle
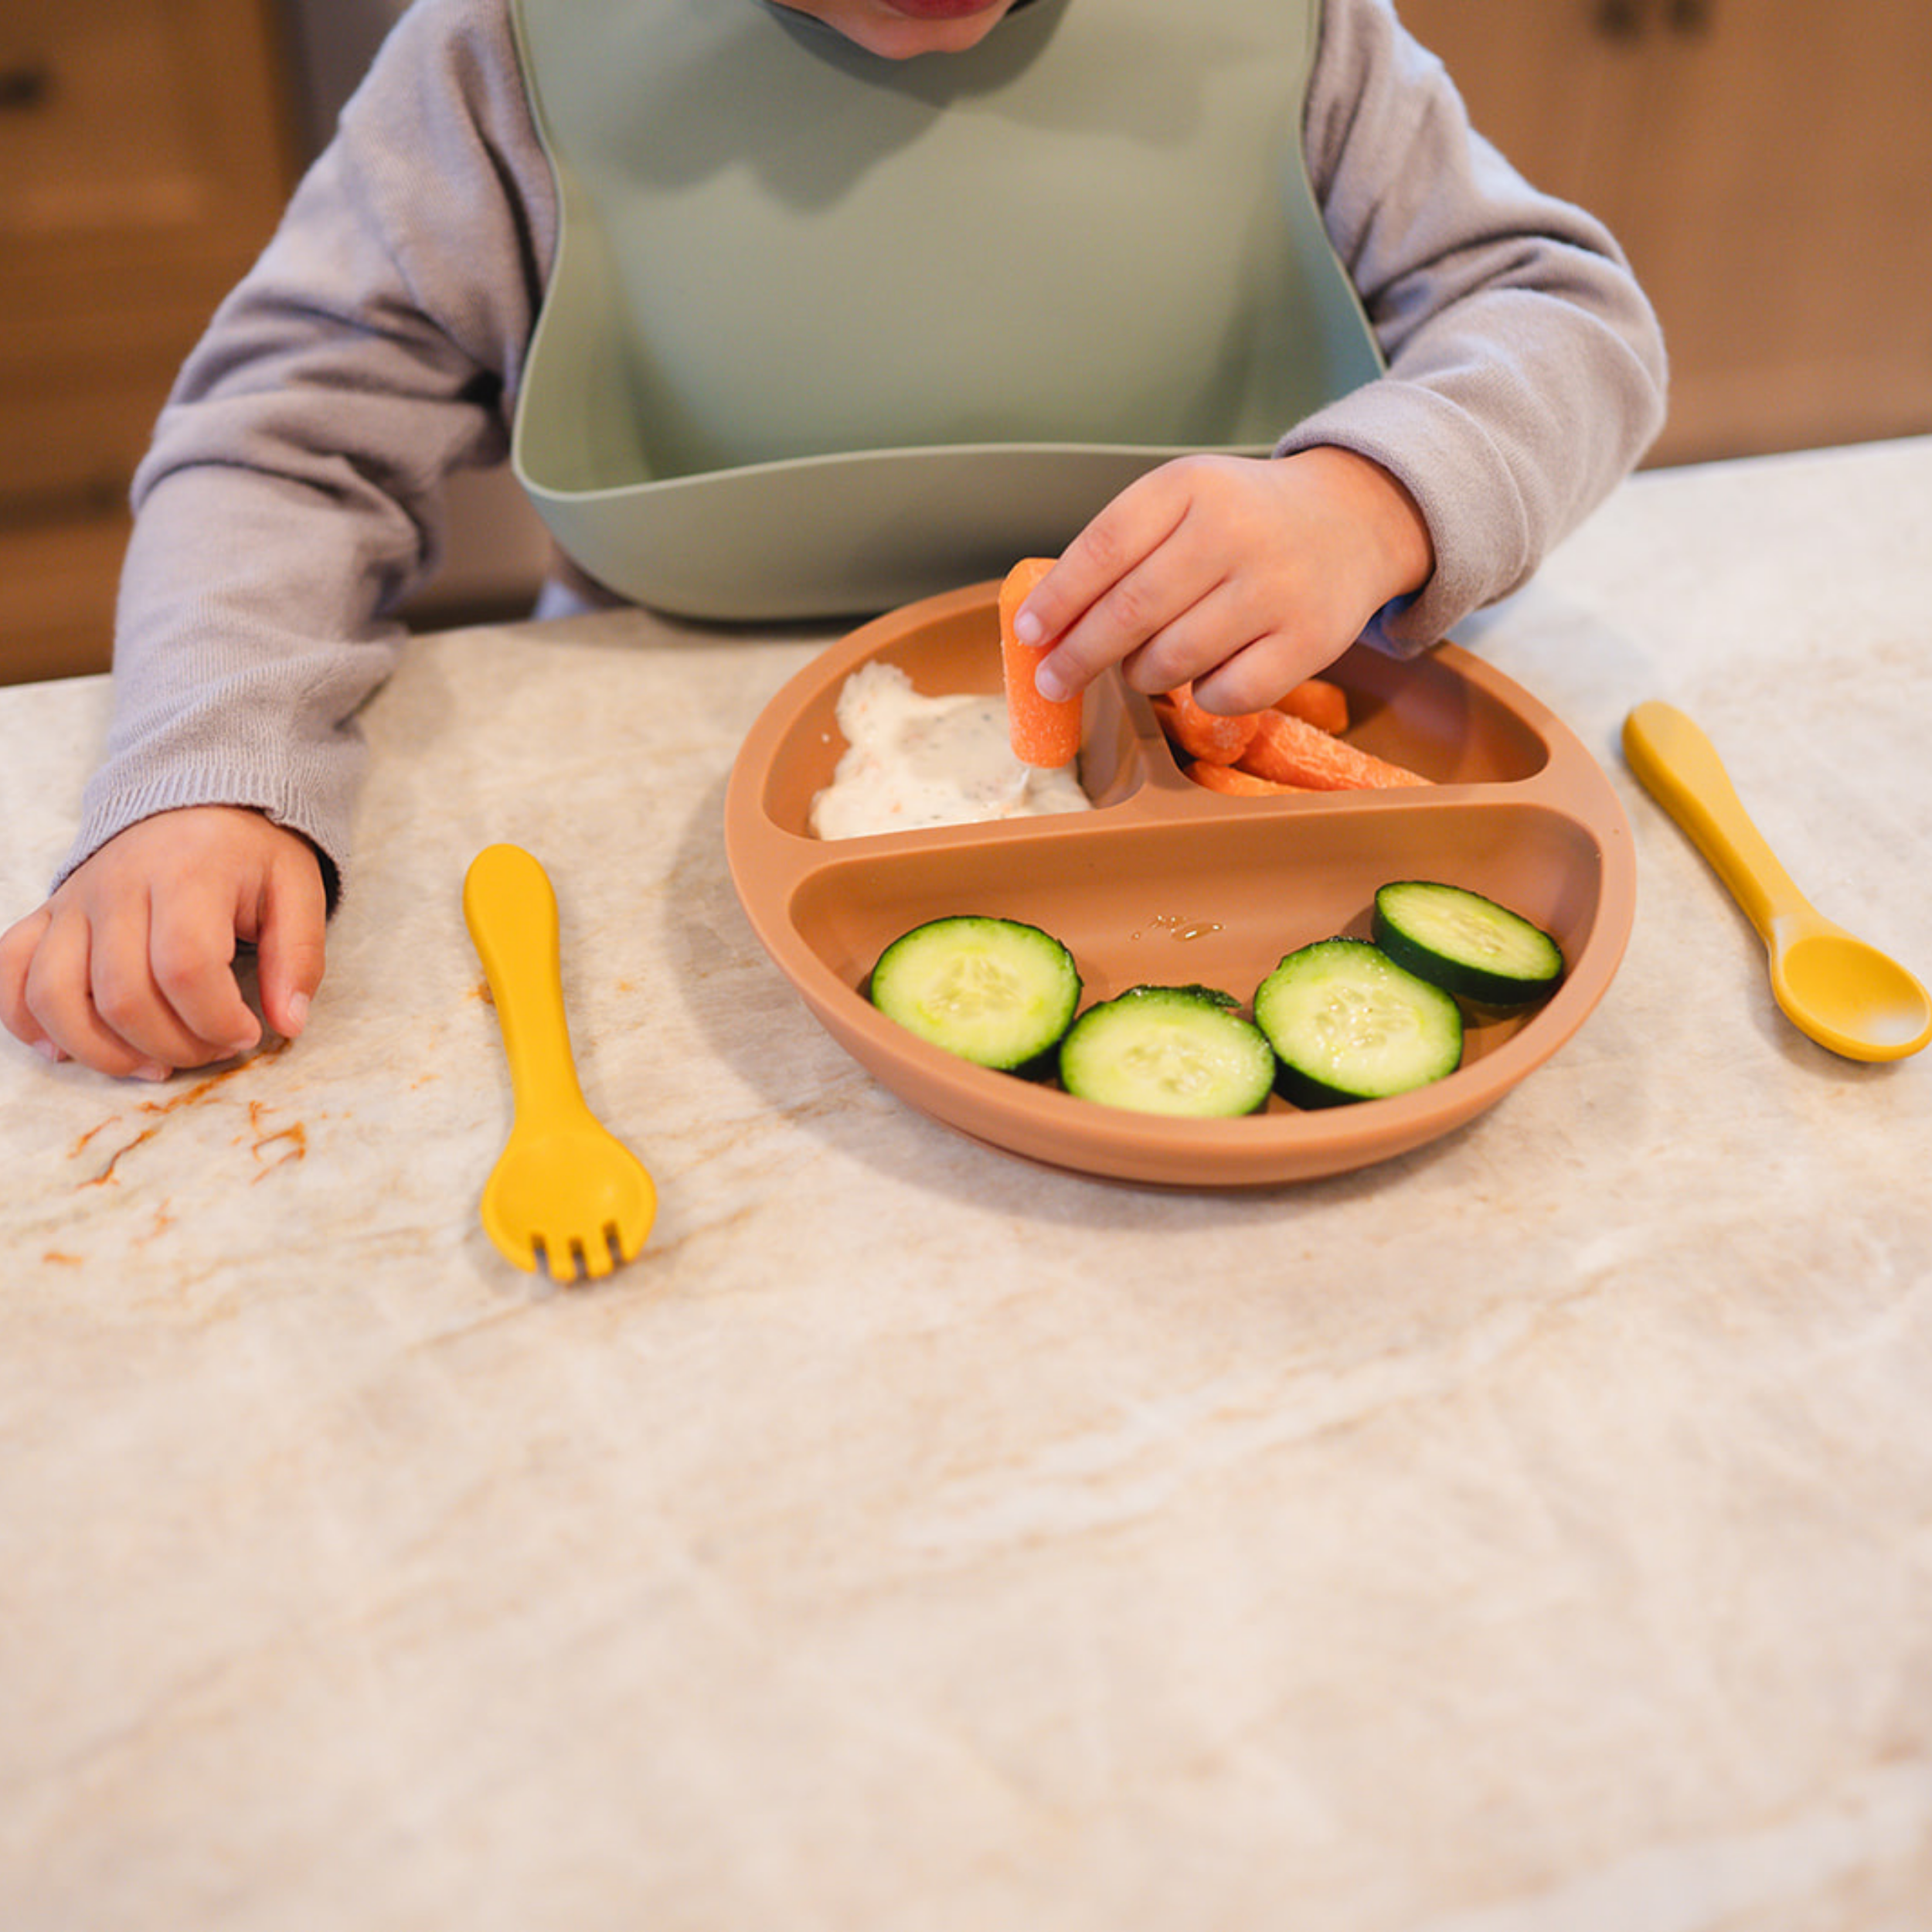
511,910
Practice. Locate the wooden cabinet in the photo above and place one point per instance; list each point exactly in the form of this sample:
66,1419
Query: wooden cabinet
143,161
1767,163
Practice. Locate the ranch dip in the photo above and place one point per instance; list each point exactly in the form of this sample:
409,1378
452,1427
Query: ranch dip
912,760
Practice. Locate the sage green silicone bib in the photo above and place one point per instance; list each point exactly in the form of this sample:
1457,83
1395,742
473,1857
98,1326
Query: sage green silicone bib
827,332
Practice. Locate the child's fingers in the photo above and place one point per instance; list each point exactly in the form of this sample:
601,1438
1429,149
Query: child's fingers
289,945
189,949
18,946
1255,676
1196,646
1142,620
163,985
59,995
1117,584
129,967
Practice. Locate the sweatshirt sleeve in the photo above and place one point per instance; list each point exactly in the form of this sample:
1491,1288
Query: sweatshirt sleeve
1525,371
291,497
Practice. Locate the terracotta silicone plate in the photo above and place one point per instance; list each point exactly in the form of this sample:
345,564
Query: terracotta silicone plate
1166,882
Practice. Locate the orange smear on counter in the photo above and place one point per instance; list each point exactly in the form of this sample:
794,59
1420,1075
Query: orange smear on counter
106,1174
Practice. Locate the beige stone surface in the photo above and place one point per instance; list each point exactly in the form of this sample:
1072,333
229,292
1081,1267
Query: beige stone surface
1531,1534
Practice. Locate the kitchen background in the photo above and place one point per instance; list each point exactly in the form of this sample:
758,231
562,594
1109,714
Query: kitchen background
1766,163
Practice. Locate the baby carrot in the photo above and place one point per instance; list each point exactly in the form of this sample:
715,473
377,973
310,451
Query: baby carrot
1319,703
1045,732
1203,734
1233,782
1293,752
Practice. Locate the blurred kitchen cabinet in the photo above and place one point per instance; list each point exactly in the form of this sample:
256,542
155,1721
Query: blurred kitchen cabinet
1766,164
143,161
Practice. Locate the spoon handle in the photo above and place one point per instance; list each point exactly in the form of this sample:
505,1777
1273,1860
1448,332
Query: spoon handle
512,912
1680,767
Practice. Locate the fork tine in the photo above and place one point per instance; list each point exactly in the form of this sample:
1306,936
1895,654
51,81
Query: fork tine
516,1247
591,1257
566,1256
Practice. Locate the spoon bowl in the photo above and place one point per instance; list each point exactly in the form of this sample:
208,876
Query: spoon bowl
1833,987
1849,996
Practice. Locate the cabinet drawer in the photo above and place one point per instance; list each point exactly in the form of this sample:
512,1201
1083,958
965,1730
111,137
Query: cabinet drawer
143,161
1767,164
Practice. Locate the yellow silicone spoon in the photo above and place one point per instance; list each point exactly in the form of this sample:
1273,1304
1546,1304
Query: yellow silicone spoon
1845,994
564,1185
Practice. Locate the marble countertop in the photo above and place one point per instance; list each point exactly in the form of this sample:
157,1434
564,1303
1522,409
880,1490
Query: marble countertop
1530,1534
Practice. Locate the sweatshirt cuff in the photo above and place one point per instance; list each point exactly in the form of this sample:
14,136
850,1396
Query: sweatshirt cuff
111,806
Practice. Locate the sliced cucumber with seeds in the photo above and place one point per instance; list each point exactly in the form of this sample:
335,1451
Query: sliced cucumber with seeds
1347,1023
1179,1050
993,991
1465,944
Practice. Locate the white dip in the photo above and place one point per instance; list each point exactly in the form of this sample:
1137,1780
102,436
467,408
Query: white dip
912,760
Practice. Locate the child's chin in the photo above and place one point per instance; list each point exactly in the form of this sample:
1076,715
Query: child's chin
942,9
904,27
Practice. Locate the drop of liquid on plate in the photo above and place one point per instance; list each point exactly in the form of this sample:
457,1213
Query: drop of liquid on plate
1177,927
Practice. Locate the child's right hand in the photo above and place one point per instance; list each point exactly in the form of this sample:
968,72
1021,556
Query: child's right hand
128,968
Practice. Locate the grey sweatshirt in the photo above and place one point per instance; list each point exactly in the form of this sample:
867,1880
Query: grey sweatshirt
291,498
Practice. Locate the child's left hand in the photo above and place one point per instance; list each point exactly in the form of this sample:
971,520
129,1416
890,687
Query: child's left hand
1242,575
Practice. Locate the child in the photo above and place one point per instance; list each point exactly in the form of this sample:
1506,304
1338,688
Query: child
289,497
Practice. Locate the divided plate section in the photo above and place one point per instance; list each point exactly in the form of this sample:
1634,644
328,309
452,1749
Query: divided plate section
1217,903
1213,904
1165,882
1444,716
954,651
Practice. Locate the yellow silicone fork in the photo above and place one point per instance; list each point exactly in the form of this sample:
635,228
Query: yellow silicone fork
564,1185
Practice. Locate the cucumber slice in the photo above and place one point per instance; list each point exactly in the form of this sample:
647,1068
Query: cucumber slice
993,991
1347,1023
1210,995
1465,944
1168,1049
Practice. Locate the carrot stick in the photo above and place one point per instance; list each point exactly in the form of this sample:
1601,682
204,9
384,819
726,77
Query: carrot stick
1044,732
1318,702
1233,782
1293,752
1202,734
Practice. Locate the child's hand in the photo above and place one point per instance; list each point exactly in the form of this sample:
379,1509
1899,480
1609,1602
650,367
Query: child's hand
1243,575
128,967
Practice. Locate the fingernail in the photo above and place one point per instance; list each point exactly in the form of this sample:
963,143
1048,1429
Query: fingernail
1050,685
48,1051
153,1070
1027,628
298,1013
